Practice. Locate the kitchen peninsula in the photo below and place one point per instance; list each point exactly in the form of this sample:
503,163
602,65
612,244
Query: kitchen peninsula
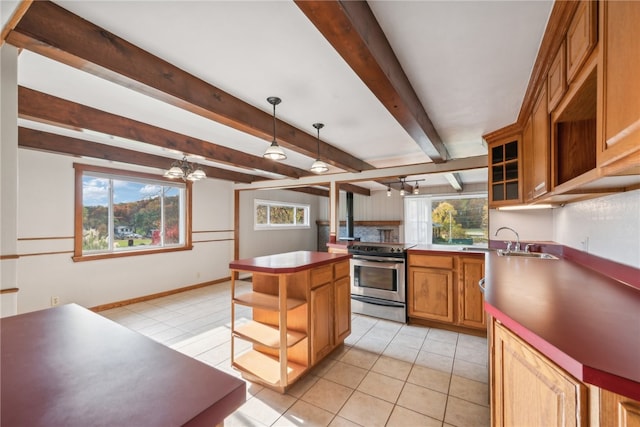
567,332
301,311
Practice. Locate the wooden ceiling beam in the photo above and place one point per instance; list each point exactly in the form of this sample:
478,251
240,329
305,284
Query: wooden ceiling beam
354,32
41,107
39,140
355,189
56,33
311,190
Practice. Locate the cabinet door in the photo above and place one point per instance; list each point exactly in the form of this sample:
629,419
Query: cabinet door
321,322
431,294
618,411
342,317
530,390
621,82
581,37
557,79
505,173
471,301
541,156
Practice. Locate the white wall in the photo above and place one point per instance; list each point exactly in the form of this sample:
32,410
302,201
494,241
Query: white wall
608,227
45,220
255,243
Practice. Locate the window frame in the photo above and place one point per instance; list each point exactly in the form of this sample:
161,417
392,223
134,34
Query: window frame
270,226
80,170
429,224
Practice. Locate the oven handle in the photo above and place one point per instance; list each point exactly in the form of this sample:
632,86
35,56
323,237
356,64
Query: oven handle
376,262
376,301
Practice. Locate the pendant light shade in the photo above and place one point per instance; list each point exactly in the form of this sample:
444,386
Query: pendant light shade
274,152
319,166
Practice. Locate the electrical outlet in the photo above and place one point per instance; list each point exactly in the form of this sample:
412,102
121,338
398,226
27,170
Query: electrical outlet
55,301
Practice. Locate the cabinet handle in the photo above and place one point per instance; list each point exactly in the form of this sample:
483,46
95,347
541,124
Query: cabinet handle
540,186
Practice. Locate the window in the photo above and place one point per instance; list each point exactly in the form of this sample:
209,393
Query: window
447,220
120,213
270,215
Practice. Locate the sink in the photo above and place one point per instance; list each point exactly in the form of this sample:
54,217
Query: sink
475,249
538,255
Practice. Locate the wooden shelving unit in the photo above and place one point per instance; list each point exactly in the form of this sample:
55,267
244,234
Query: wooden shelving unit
300,312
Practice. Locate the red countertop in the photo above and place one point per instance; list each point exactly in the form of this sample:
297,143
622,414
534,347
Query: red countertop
586,322
68,366
289,262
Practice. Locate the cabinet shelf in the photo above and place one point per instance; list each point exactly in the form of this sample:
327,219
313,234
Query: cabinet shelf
267,335
267,368
265,301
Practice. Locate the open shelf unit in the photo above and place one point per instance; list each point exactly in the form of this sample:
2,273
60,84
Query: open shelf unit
278,331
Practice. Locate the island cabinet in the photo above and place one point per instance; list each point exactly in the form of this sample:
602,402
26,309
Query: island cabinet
443,288
299,313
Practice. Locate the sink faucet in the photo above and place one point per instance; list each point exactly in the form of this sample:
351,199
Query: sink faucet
517,247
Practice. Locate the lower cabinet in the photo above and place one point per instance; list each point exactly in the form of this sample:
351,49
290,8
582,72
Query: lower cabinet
470,300
431,294
530,390
444,288
330,311
342,308
321,322
618,411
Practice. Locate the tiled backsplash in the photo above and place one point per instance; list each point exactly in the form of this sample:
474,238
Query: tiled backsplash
608,227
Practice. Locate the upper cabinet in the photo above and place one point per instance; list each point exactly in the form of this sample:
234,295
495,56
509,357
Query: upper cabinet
620,85
580,122
581,37
505,172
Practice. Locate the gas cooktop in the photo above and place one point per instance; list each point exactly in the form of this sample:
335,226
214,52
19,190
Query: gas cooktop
379,249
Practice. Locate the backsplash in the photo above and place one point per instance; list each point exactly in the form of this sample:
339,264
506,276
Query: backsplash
608,227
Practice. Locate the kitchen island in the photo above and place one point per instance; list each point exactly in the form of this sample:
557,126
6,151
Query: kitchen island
301,311
565,342
68,366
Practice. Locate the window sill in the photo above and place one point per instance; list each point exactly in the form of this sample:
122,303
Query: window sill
82,258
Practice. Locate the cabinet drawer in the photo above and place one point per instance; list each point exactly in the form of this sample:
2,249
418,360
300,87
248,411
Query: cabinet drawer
433,261
341,269
321,275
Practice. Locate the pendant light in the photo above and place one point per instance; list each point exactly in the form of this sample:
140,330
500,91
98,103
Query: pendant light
274,152
319,166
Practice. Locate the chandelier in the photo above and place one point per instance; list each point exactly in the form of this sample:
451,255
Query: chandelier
402,181
185,170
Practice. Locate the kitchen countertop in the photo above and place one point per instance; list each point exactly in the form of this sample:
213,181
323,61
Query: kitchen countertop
289,262
68,366
586,322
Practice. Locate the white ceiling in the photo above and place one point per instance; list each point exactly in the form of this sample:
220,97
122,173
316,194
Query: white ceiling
469,63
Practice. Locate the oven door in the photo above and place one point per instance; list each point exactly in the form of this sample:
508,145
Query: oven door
378,277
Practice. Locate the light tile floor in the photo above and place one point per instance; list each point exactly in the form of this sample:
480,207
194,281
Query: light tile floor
386,374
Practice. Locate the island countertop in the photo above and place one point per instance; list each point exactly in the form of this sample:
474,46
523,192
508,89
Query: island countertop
585,322
289,262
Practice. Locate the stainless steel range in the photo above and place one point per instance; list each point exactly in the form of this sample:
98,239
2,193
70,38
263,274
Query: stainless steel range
378,280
